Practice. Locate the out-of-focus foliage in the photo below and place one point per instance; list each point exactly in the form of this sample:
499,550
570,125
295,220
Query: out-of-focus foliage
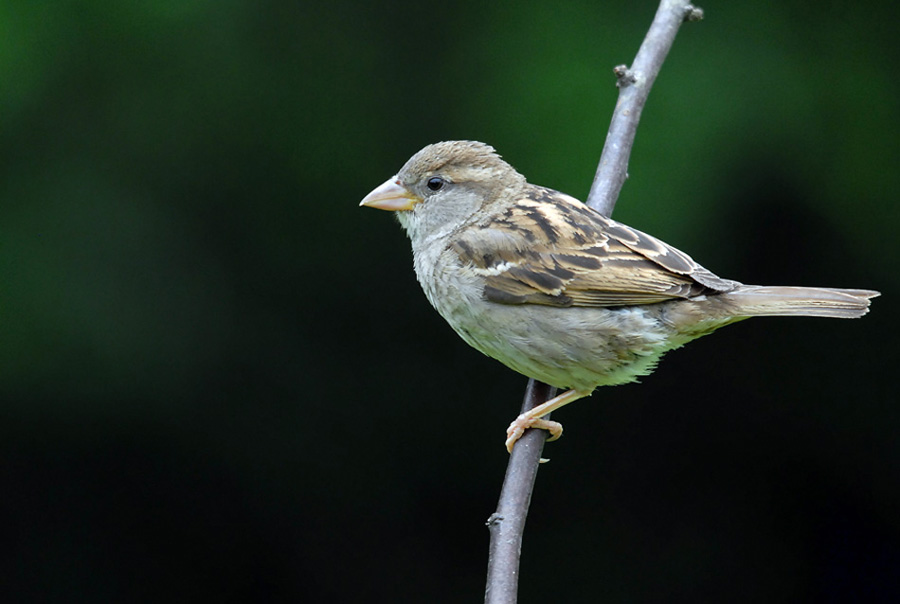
218,377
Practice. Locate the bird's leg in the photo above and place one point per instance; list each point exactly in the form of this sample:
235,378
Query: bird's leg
532,419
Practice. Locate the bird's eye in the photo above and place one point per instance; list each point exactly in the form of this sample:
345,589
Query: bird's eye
435,183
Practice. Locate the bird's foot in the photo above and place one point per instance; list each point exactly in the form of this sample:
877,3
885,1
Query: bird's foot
524,422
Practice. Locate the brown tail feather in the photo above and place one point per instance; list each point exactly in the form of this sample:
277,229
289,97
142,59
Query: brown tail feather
759,301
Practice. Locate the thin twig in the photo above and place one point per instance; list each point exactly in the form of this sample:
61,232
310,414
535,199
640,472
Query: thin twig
507,524
634,88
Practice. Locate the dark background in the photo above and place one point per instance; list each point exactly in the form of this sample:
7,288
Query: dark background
219,379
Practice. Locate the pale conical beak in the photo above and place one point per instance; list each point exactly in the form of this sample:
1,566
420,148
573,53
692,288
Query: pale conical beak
391,196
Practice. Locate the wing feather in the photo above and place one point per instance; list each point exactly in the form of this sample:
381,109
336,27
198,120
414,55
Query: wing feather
551,249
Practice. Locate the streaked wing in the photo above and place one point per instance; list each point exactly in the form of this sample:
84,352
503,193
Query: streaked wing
573,256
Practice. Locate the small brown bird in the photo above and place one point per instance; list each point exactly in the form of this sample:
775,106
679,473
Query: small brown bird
556,291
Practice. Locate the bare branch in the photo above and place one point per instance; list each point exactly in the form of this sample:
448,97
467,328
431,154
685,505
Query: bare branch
634,87
507,524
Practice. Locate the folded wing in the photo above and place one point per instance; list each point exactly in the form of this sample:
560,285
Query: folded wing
551,249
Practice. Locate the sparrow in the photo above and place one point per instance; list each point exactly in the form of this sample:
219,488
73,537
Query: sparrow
556,291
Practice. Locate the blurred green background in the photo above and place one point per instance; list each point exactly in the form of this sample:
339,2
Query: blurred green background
220,380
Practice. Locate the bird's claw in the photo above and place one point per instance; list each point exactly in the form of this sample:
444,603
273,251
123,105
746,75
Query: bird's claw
524,422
